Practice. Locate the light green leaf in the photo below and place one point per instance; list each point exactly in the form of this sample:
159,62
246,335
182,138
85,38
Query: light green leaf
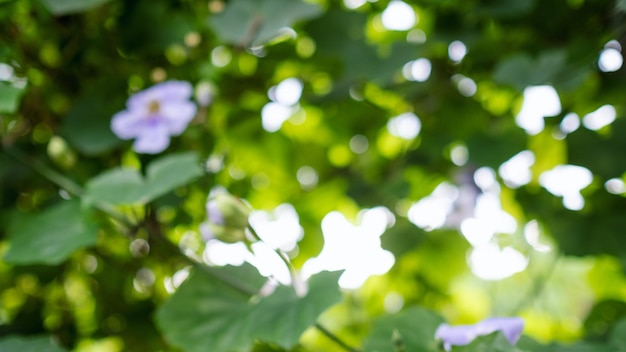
171,171
64,7
255,22
117,186
127,186
9,97
51,236
29,344
206,315
413,328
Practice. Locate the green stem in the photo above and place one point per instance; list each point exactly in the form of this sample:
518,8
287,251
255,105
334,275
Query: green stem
334,338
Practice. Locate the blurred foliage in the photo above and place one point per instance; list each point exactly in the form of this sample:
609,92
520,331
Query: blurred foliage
97,240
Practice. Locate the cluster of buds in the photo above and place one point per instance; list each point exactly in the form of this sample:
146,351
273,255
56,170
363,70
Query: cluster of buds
228,219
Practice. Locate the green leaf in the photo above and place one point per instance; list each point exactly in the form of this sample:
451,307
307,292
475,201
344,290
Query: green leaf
255,22
87,125
51,236
507,8
283,316
618,336
9,97
29,344
206,315
127,186
171,171
413,328
64,7
529,344
522,71
495,342
117,186
576,347
550,67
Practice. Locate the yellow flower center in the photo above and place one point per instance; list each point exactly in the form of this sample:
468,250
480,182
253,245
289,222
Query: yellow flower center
153,107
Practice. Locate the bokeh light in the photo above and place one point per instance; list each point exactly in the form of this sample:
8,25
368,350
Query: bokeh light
399,16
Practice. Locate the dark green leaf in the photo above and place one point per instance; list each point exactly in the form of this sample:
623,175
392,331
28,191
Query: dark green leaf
51,236
255,22
206,315
414,329
87,125
522,71
604,314
618,335
550,67
64,7
283,316
507,8
29,344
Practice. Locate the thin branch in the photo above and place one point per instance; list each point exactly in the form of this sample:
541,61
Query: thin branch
335,339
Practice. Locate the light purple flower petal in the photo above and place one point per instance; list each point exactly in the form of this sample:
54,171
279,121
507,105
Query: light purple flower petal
166,91
126,124
174,90
214,213
153,139
177,115
511,327
459,335
206,232
455,335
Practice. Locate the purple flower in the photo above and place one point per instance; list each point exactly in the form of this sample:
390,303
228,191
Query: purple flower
464,334
155,114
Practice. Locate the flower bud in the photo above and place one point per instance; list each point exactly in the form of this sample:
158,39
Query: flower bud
228,219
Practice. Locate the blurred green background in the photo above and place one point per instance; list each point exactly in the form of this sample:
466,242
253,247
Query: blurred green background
476,145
